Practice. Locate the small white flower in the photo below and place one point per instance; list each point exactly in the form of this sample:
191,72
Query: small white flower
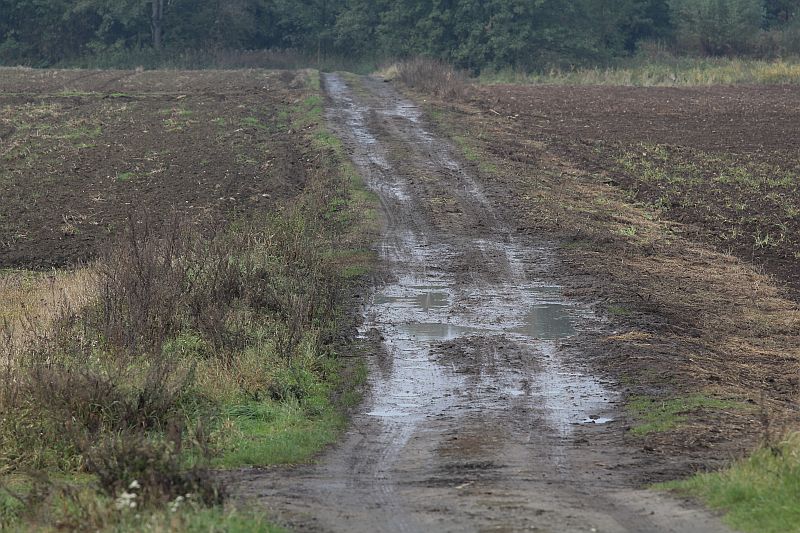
175,504
134,485
126,500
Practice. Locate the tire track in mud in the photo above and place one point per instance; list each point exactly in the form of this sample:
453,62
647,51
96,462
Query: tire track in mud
479,415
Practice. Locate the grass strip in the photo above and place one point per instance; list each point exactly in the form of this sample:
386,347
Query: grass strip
758,493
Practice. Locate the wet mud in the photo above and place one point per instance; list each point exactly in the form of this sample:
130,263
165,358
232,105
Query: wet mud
482,414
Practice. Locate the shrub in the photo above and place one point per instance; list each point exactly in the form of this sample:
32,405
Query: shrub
433,76
149,469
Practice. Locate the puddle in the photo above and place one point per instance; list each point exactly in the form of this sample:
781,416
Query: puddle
424,302
568,396
599,420
436,332
547,322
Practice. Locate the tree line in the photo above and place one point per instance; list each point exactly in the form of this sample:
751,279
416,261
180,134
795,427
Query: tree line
472,34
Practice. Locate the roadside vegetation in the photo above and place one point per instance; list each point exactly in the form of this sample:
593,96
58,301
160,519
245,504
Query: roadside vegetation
759,493
665,70
187,346
660,70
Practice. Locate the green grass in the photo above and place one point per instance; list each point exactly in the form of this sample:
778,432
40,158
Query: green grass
271,433
253,122
758,494
307,113
654,415
465,145
618,310
81,132
313,80
125,176
325,139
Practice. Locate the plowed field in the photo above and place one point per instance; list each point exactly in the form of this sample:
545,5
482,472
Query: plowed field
725,161
83,153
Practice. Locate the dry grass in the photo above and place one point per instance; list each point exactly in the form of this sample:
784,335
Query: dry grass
31,301
430,76
674,73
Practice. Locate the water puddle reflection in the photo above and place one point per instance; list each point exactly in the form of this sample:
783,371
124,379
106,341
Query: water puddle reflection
425,301
437,332
547,322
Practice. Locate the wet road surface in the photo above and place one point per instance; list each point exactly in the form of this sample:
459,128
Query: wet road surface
481,415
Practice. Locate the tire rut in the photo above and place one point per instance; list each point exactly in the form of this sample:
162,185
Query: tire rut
481,414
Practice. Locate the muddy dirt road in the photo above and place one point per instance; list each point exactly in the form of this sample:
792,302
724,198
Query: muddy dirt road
480,414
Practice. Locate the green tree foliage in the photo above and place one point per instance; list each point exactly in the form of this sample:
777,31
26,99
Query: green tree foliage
780,12
473,34
717,27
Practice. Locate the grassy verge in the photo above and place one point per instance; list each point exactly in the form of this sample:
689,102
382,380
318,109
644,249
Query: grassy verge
198,349
655,415
758,494
670,72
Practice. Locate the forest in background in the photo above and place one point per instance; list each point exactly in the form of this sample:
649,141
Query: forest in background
477,35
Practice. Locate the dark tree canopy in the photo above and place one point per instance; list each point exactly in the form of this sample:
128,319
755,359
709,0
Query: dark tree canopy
473,34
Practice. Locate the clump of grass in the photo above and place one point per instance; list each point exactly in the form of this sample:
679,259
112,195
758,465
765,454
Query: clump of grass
759,493
125,176
655,415
619,310
37,297
277,432
253,122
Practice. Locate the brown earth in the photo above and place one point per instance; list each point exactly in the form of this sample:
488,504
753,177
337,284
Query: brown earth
84,152
724,161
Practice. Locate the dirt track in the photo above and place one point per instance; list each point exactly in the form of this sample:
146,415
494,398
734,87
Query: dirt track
481,414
